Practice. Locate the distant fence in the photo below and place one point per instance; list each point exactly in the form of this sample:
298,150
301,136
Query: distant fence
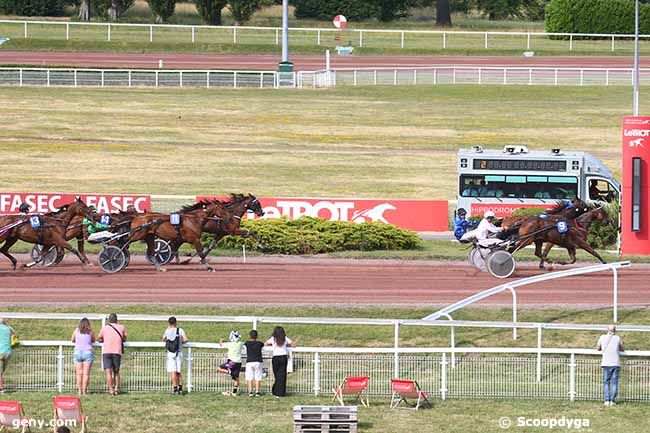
374,38
566,374
493,75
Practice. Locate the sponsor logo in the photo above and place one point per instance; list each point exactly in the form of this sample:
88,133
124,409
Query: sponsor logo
636,132
636,143
374,214
45,202
502,210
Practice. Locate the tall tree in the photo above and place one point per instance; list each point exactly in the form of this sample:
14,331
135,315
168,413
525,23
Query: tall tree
389,10
210,10
443,13
242,10
162,9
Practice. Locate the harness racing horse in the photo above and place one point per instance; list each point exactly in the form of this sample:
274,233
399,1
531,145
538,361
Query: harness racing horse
228,221
560,210
545,230
46,230
146,227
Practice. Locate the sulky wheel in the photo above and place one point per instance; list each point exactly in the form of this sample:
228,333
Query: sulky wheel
112,259
163,252
501,264
476,259
47,258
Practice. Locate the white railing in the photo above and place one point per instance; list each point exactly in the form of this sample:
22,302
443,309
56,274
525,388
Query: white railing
488,373
488,75
137,77
429,39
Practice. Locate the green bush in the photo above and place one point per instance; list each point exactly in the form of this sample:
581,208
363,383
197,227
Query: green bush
595,16
162,9
32,7
315,236
354,10
243,10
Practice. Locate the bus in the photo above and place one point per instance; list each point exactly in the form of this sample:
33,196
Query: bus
503,181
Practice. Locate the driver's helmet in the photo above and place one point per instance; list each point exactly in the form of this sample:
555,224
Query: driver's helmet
569,204
234,336
131,208
488,214
461,212
24,208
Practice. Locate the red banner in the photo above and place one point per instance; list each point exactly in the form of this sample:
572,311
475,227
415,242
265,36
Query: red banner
416,215
502,210
49,202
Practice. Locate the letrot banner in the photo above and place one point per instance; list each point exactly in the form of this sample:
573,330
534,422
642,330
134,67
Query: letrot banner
416,215
49,202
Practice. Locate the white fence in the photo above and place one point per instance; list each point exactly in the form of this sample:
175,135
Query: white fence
428,39
479,372
137,77
493,75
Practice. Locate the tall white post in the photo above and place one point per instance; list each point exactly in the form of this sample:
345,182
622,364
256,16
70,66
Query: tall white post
636,57
285,31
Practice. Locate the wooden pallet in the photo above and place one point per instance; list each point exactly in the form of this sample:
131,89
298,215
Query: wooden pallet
325,419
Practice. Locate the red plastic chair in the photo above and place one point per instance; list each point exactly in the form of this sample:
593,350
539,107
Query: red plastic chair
356,386
405,390
12,416
69,408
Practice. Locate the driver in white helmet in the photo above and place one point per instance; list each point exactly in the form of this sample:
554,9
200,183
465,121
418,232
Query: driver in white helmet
486,229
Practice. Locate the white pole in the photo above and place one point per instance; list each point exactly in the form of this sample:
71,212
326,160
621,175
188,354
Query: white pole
285,31
636,57
327,60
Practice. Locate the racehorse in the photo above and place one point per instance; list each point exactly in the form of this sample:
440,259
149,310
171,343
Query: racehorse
541,230
146,227
52,231
560,210
228,221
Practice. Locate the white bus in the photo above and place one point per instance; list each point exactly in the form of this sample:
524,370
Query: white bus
505,180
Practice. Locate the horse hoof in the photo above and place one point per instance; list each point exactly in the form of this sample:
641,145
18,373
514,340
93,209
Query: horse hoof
162,270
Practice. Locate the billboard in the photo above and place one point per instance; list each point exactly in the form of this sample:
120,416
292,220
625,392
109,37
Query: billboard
49,202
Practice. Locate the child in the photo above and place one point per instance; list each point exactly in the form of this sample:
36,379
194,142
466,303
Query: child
254,364
461,225
232,365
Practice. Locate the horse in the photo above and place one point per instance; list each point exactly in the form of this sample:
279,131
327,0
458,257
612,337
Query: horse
52,231
146,227
560,210
228,221
545,230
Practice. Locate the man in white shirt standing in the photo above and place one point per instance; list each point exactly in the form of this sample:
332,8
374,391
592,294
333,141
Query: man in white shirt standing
610,344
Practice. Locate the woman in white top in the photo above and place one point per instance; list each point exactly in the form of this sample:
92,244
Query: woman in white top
280,343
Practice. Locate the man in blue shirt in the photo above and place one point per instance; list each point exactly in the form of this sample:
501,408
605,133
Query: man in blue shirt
5,350
461,225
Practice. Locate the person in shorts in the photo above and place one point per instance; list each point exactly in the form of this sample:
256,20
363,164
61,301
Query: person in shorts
174,338
113,336
5,349
254,363
232,365
83,338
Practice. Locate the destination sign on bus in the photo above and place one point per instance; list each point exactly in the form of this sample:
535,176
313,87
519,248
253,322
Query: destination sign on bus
519,164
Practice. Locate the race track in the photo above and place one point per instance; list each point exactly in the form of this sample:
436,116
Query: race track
302,63
270,280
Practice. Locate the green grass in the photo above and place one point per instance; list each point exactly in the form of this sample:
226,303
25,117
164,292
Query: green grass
388,142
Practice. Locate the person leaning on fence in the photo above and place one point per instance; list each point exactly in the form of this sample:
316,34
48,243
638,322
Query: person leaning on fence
610,344
83,338
174,338
232,365
281,344
254,363
112,336
6,333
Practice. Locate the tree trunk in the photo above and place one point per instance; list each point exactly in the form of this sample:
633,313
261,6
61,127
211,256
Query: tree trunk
114,10
84,10
443,13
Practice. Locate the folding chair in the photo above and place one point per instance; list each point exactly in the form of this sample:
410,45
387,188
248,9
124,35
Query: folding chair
353,385
405,389
69,408
12,416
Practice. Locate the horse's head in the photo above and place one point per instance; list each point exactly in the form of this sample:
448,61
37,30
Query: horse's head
601,215
254,205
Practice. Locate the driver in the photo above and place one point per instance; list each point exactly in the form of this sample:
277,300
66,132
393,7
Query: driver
486,228
461,224
24,208
594,192
96,230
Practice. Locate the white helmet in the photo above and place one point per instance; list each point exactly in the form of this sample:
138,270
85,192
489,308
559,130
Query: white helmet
488,214
234,336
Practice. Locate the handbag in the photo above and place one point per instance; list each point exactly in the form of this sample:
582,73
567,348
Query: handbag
15,341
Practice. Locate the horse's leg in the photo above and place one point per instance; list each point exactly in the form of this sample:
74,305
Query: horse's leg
581,243
5,251
80,247
538,252
213,243
199,250
547,249
572,255
151,252
62,244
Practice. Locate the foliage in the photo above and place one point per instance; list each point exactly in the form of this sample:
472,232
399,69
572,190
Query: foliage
110,9
354,10
162,9
210,10
595,16
308,235
502,9
32,7
242,10
389,10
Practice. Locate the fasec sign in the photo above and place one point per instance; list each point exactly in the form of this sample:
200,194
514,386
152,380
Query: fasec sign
416,215
49,202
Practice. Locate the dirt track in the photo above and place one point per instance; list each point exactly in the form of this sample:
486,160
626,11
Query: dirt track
309,281
310,63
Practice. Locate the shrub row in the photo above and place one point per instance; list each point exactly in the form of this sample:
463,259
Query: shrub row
315,236
32,7
595,16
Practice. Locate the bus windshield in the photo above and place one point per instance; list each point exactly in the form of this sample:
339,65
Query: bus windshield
518,186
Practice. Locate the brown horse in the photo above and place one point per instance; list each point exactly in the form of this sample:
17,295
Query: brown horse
228,221
52,231
146,227
541,230
560,210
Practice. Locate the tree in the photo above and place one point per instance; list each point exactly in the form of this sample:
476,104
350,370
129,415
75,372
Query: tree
210,10
162,9
242,10
443,13
389,10
501,9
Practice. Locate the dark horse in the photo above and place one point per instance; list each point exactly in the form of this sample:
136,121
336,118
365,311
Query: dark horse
560,210
540,230
51,233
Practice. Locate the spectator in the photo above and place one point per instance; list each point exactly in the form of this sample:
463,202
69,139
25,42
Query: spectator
83,338
6,332
174,339
280,343
254,364
63,429
113,337
232,365
610,344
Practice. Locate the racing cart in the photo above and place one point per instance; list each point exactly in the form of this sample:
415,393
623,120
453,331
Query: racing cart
493,257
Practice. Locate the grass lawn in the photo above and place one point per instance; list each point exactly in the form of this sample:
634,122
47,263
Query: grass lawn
370,142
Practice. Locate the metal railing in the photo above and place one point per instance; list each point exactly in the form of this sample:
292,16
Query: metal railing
479,372
492,75
403,39
137,78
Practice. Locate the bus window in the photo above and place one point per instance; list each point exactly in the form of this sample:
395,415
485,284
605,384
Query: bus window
535,187
601,190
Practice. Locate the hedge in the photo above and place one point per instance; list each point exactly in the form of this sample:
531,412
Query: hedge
308,235
354,10
28,8
596,16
